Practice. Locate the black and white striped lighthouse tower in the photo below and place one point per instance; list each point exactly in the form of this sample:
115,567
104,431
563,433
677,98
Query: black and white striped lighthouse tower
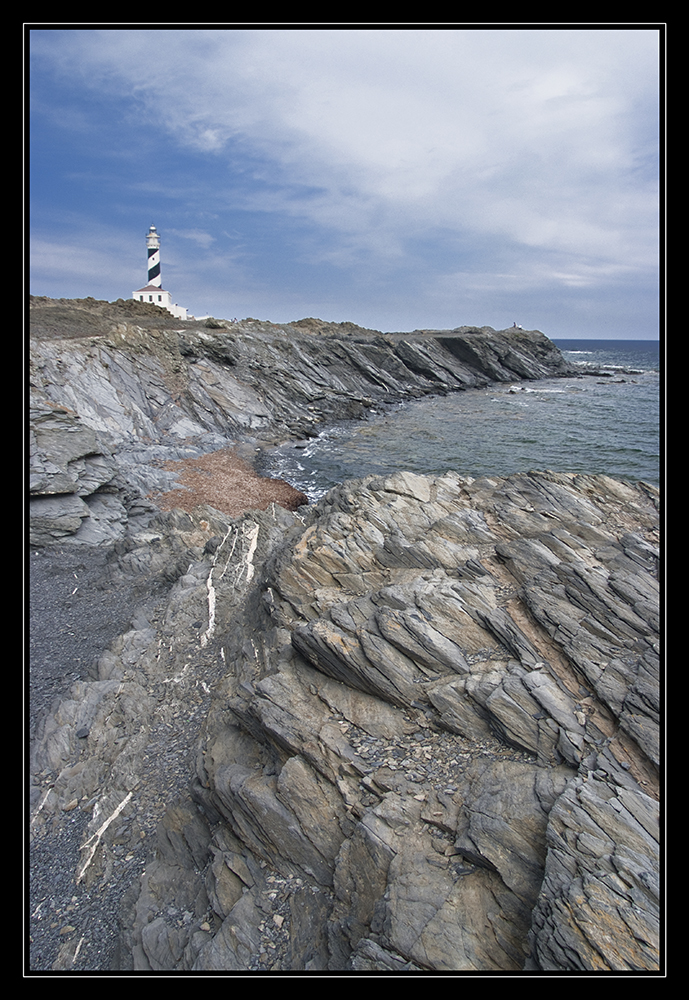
153,290
153,244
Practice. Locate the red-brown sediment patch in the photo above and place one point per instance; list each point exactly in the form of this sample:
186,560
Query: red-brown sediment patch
226,482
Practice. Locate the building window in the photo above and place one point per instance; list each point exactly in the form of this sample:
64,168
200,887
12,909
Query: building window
160,298
150,298
141,298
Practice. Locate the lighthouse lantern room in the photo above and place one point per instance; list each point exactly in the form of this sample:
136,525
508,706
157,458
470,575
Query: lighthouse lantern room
153,290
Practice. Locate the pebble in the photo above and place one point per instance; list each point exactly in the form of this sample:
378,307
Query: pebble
444,754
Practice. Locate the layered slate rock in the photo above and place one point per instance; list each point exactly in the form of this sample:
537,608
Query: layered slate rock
118,394
71,478
431,743
412,727
525,608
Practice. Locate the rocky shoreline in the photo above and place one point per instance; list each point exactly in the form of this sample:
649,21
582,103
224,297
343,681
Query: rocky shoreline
411,728
126,395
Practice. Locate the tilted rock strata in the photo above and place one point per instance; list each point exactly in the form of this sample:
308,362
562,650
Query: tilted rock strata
432,742
431,596
110,411
431,704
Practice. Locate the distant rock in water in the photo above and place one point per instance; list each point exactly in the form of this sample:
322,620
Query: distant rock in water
412,727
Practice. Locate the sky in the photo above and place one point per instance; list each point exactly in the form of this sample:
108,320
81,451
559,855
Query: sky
400,178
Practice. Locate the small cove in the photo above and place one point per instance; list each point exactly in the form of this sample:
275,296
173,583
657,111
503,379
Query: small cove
604,423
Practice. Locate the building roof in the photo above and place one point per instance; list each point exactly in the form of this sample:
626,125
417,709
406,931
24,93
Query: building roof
151,288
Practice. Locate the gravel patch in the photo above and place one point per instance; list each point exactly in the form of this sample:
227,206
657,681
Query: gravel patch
77,608
225,481
74,614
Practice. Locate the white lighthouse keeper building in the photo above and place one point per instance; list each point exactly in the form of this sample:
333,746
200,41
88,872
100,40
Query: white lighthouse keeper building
153,290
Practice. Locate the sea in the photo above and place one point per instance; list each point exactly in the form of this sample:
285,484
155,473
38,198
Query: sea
604,419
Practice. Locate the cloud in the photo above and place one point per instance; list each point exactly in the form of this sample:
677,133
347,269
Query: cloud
71,268
202,239
389,140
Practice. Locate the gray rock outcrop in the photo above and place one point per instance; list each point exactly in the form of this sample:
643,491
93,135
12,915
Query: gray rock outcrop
431,740
414,727
118,390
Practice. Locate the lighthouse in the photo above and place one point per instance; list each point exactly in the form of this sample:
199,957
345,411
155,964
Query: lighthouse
153,290
153,246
